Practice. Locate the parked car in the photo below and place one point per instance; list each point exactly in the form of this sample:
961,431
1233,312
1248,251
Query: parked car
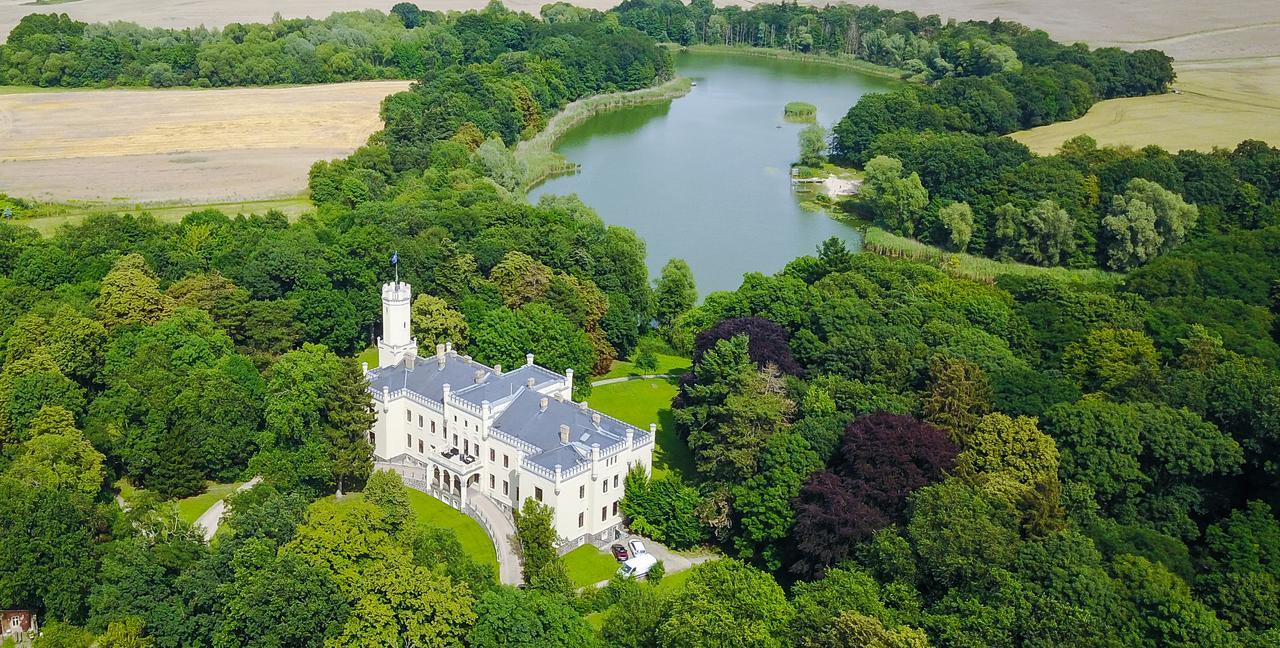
638,566
620,552
637,548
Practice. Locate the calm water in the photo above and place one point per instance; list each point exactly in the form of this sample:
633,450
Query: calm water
705,177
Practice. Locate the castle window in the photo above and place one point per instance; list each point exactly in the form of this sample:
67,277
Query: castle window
604,513
615,508
491,454
606,486
408,415
419,445
491,482
372,440
537,493
433,427
615,481
419,420
506,463
504,487
582,520
582,492
408,440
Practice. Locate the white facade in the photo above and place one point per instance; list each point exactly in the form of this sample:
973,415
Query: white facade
457,429
397,341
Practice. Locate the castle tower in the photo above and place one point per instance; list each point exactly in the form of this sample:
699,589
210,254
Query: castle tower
397,341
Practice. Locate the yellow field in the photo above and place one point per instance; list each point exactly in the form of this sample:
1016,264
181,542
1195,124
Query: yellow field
1215,106
145,146
1227,55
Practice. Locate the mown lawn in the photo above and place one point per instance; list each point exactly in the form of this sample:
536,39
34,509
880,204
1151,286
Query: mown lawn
670,585
190,509
73,213
587,565
667,364
973,266
369,355
641,402
432,512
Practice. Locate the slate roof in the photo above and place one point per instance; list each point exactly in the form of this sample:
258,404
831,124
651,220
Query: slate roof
522,417
494,387
427,378
524,420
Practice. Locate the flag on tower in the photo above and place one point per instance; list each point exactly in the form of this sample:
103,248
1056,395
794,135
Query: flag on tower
395,263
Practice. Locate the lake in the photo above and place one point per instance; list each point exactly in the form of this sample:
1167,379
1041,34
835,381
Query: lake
706,177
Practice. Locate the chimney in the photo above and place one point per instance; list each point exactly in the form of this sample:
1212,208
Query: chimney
497,370
630,439
409,360
530,382
466,359
479,376
564,433
653,430
386,398
364,368
568,380
440,350
582,406
542,404
448,346
528,358
595,419
444,395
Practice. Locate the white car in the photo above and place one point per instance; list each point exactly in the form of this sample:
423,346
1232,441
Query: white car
637,548
638,566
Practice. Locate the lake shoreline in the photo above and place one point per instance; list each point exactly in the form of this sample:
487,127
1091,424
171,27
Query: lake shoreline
712,170
849,63
538,153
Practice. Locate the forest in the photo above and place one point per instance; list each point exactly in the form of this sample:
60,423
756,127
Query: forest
53,50
885,453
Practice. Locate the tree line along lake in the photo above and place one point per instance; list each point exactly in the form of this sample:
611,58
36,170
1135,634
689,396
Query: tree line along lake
706,177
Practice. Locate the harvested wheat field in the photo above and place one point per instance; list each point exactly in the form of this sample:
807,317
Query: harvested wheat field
1213,106
192,145
1226,54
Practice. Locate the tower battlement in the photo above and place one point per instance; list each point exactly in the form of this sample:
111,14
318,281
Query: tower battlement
397,341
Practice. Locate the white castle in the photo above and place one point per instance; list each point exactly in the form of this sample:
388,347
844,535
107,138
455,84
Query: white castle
465,432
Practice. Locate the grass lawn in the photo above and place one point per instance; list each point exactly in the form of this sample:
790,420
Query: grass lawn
74,213
433,512
971,266
369,355
191,508
670,585
667,364
587,565
641,402
126,489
